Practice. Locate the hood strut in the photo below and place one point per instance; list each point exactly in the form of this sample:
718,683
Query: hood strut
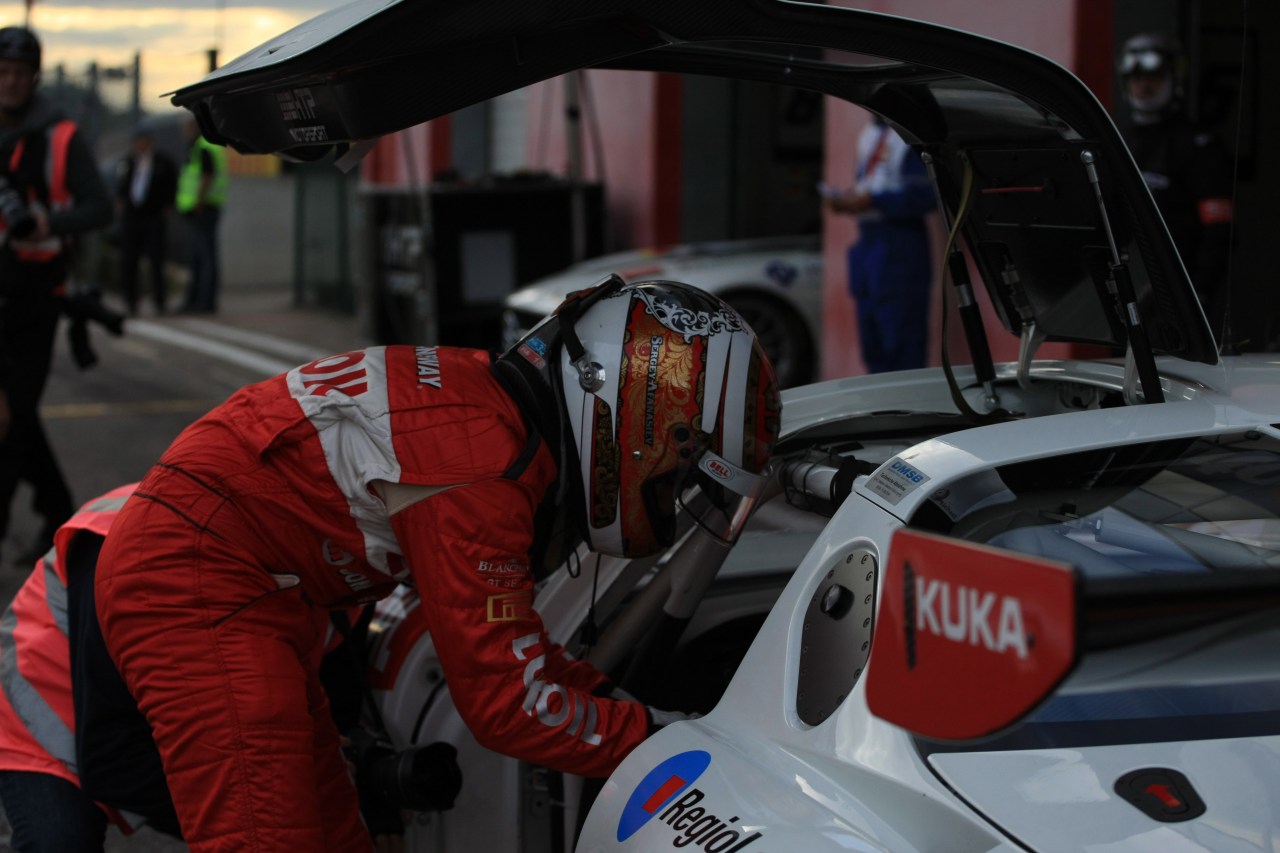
1120,286
970,314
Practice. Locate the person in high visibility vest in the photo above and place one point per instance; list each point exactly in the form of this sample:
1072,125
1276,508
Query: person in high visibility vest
202,192
50,190
44,634
76,755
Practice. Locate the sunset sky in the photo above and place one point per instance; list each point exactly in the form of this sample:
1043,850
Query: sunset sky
173,37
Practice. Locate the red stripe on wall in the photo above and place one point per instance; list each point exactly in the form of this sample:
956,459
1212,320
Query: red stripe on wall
668,121
440,155
1094,54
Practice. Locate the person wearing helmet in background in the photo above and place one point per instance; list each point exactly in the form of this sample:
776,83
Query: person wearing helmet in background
1185,166
466,475
50,190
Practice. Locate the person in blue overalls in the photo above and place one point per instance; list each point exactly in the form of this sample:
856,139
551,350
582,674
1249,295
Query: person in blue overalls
889,268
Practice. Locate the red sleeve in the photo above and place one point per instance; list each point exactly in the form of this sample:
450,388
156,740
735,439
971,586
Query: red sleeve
516,690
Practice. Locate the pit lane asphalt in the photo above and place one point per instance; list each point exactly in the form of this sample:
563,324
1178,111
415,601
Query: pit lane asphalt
108,424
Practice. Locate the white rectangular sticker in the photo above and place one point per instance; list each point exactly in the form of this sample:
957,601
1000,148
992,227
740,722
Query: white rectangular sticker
895,480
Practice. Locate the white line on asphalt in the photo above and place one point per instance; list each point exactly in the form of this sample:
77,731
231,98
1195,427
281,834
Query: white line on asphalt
175,336
296,352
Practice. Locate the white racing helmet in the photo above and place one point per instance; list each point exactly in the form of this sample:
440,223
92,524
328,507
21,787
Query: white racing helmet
670,402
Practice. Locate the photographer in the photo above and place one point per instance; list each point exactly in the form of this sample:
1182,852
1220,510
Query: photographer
50,189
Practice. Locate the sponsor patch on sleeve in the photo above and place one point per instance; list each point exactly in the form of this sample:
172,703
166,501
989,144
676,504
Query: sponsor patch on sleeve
509,606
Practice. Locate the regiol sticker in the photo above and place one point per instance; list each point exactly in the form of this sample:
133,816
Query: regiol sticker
662,785
668,795
896,479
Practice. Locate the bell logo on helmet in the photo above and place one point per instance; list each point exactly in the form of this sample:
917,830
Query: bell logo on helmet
718,469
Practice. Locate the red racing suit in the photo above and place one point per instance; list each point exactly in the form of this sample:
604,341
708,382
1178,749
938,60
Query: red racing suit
37,717
317,489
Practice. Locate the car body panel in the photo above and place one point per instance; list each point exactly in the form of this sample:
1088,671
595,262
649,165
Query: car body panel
823,806
790,268
1066,799
762,698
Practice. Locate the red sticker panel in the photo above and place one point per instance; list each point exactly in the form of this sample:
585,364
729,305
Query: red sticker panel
968,639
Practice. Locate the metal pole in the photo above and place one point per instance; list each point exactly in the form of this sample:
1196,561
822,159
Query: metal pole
135,110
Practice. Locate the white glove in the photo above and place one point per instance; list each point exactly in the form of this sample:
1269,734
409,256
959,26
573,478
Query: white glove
666,718
622,695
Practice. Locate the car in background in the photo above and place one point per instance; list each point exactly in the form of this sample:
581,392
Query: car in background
775,283
1023,606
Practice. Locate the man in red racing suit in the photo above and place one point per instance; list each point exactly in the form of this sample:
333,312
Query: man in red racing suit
318,489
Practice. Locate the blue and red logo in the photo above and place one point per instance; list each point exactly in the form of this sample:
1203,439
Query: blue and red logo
662,785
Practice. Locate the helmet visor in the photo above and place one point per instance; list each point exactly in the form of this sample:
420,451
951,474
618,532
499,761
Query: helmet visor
1146,61
720,496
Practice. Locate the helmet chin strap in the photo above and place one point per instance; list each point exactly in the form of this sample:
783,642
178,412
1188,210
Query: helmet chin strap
591,374
530,391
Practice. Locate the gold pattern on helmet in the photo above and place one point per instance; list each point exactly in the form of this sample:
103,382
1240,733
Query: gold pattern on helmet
665,374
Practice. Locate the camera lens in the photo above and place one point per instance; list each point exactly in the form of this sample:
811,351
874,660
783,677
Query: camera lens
17,215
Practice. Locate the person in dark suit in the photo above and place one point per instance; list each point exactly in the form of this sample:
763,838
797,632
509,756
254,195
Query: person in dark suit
145,188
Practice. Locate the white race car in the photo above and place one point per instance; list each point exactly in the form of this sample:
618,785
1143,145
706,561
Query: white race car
775,283
1022,606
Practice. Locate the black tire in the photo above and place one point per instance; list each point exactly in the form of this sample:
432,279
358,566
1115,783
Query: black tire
782,333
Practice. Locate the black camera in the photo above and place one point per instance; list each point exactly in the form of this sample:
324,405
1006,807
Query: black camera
16,214
81,309
88,307
421,778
